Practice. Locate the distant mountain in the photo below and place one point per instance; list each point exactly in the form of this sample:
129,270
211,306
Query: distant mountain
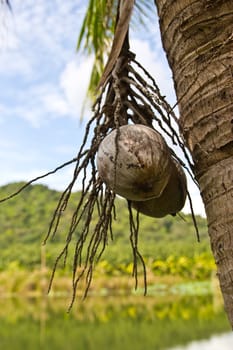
25,220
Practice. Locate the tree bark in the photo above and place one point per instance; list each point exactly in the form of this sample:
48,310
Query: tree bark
197,36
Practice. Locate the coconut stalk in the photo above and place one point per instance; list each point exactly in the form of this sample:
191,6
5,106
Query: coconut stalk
127,95
136,163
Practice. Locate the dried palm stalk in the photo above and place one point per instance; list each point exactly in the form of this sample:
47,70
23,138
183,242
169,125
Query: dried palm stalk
128,95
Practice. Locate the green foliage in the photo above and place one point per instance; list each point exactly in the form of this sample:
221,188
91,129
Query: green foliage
196,267
118,323
97,31
96,35
169,245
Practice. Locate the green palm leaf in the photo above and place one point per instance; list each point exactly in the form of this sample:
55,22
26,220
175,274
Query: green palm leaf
97,32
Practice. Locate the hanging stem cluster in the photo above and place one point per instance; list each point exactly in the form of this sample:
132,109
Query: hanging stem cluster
130,95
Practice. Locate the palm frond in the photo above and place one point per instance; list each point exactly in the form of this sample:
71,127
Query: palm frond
96,35
97,31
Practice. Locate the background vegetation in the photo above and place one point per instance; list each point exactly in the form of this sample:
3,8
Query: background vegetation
169,245
182,302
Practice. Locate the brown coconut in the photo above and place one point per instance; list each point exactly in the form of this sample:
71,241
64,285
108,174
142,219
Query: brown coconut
135,162
172,199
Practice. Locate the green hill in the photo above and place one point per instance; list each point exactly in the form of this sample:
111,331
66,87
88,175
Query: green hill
25,220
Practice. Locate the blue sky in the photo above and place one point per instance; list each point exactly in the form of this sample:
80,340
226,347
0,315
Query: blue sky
43,82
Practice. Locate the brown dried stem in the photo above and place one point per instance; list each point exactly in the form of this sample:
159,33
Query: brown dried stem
129,98
130,95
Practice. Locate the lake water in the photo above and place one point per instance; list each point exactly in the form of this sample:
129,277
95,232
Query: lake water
116,323
216,342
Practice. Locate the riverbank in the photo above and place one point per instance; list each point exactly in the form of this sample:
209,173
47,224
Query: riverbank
22,282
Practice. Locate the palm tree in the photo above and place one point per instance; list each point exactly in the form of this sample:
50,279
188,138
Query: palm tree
198,40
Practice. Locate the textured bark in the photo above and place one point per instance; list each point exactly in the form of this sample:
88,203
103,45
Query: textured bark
198,39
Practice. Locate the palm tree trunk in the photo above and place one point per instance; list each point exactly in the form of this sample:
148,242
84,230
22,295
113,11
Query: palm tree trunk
197,36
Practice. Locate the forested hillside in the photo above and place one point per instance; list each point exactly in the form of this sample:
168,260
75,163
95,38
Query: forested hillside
26,217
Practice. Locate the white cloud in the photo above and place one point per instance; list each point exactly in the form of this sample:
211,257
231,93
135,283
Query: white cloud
57,181
56,104
41,74
17,176
46,26
15,65
74,83
60,180
55,100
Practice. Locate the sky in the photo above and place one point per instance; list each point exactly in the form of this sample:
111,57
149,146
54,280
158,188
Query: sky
43,83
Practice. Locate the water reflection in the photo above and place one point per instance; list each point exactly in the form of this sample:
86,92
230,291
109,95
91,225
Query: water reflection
127,322
223,342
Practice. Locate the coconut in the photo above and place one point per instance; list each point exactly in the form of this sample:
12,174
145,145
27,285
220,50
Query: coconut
135,162
172,198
